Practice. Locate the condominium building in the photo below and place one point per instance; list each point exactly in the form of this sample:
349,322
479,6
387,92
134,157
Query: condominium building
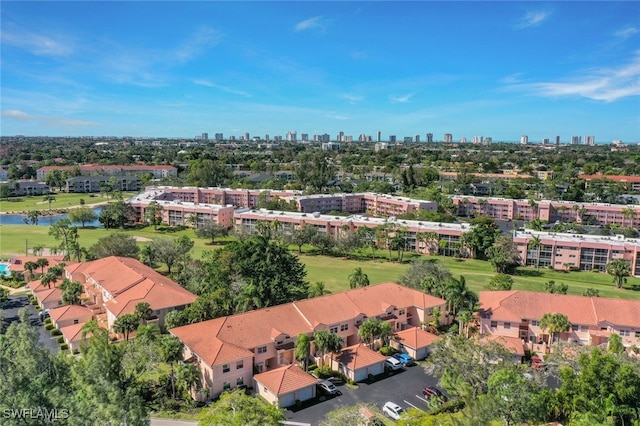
82,184
158,172
589,140
524,139
448,138
429,138
576,140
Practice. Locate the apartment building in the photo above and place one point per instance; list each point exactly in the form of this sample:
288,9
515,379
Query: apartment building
630,183
82,184
550,211
517,314
586,252
238,346
158,172
183,213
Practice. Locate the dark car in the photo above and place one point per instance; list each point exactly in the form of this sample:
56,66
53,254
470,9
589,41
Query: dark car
433,392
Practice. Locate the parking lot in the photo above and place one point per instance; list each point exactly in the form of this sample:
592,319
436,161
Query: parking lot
404,388
11,308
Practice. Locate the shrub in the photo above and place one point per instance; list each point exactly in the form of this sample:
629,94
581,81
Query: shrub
48,327
56,332
64,347
60,339
387,350
312,367
324,372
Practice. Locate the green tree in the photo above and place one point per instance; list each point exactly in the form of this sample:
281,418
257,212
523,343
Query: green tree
33,216
65,231
500,282
349,415
303,349
71,291
551,287
554,324
30,267
49,199
517,400
535,244
143,311
125,324
369,330
591,292
47,279
429,276
503,255
211,230
234,408
368,236
326,342
170,251
82,215
303,235
318,289
153,214
482,235
117,215
116,244
358,278
619,269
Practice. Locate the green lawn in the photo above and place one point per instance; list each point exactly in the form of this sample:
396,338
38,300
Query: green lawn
62,201
334,271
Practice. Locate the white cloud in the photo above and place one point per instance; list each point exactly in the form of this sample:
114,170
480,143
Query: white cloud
532,19
604,84
338,117
353,99
401,99
201,40
311,23
49,120
626,32
37,44
18,115
207,83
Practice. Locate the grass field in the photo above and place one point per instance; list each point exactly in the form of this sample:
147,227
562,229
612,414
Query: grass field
334,271
62,201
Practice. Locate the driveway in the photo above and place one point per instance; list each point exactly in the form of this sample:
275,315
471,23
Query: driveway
404,388
11,308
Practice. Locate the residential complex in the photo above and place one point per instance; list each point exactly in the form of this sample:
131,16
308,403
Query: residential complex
158,172
112,287
517,314
262,342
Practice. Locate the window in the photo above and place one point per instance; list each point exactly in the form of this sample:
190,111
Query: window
240,381
624,333
226,386
333,329
344,327
226,368
239,365
637,334
494,324
507,325
401,312
535,323
574,327
262,349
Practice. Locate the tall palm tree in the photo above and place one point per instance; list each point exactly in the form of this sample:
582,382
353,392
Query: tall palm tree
358,278
629,213
42,263
30,266
535,243
47,279
464,318
554,324
619,269
302,349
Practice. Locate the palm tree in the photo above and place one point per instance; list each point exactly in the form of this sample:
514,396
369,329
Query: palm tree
302,349
554,323
464,318
42,263
49,198
125,324
327,342
535,243
47,279
143,311
30,266
37,249
629,213
192,220
358,278
188,377
619,269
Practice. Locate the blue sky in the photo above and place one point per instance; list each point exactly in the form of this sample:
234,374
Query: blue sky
177,69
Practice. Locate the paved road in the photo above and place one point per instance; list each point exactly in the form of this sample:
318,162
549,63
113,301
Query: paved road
404,388
171,422
11,309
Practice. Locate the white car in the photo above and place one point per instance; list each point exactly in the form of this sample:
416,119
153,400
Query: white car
393,363
392,410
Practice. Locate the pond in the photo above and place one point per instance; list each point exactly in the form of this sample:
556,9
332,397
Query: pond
18,219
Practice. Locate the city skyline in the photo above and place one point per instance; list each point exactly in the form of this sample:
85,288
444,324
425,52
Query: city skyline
168,69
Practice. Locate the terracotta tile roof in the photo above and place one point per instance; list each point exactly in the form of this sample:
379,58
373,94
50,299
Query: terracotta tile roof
284,380
359,356
17,263
615,178
516,305
512,344
49,295
36,285
69,312
416,338
72,333
201,339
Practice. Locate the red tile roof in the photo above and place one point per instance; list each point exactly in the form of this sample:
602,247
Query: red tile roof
359,356
73,332
516,305
69,312
615,178
17,263
512,344
416,338
284,380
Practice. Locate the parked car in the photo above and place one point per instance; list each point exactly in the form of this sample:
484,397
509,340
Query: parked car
392,410
328,388
434,392
537,363
404,358
393,363
43,314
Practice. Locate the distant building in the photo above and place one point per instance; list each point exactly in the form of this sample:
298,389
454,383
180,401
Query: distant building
379,138
292,136
219,137
392,138
408,139
545,141
82,184
589,140
330,146
524,139
304,137
448,138
576,140
158,172
557,140
429,137
417,138
381,145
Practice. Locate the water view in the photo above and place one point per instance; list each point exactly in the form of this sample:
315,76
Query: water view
18,219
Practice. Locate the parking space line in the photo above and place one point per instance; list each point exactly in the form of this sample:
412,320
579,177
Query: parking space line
422,399
413,405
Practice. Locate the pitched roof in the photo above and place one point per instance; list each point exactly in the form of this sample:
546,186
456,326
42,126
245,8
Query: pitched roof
359,356
72,332
512,344
416,337
69,312
17,262
516,305
284,380
206,345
